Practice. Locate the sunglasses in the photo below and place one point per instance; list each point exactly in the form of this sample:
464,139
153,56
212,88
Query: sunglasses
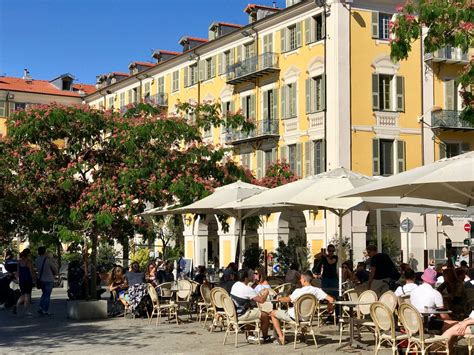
331,250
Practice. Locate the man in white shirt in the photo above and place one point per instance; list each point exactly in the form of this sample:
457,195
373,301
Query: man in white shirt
287,316
409,286
243,295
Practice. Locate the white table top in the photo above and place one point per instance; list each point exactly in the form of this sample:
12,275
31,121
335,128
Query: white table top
352,303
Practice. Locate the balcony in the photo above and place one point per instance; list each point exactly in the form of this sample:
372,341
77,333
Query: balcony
264,129
448,55
160,99
449,119
252,68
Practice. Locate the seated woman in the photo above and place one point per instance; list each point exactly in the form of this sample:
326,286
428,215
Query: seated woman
261,282
119,284
349,280
464,327
166,274
456,295
137,287
150,274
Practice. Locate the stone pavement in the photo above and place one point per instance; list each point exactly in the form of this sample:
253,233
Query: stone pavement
56,334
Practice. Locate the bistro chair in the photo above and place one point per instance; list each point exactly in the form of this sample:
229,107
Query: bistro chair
165,291
205,306
283,290
158,308
184,296
389,299
233,323
413,323
305,307
384,322
218,314
403,299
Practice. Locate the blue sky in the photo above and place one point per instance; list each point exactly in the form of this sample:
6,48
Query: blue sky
90,37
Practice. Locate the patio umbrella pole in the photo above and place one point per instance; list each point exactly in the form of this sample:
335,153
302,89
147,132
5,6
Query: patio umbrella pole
339,214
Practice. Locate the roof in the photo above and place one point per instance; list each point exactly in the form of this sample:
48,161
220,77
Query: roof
143,64
227,24
38,87
162,51
116,73
87,88
255,6
187,38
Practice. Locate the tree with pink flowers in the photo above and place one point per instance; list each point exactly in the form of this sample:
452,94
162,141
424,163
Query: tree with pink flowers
448,23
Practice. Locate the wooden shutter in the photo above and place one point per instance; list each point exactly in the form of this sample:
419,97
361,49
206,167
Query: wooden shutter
283,102
231,58
442,150
375,157
275,105
220,64
323,155
307,30
307,158
243,106
265,43
293,100
323,25
298,34
401,153
238,53
323,92
308,94
266,105
284,153
400,93
259,170
299,159
375,92
252,107
375,24
283,41
186,76
450,91
202,70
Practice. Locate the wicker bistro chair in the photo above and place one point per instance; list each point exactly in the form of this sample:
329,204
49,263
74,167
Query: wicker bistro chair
159,308
218,313
403,299
233,323
305,307
384,321
390,300
413,324
165,292
184,296
205,306
284,290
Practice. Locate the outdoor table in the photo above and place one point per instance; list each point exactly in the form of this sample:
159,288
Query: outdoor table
352,343
427,312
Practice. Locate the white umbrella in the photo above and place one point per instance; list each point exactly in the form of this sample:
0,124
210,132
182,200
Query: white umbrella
212,203
449,180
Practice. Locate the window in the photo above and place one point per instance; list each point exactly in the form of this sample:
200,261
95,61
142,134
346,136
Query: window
248,106
245,160
270,105
315,29
288,101
227,61
380,25
388,92
315,94
209,69
175,85
146,90
269,158
122,100
450,95
191,75
449,150
290,38
161,86
3,109
292,157
319,165
388,156
111,103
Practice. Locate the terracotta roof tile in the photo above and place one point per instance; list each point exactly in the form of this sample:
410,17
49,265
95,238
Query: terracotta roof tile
229,24
144,64
88,89
162,51
119,73
35,86
255,6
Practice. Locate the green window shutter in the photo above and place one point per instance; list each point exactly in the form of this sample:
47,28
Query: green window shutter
323,155
266,105
442,150
270,43
231,58
274,157
259,171
375,157
253,49
401,153
293,100
308,94
298,34
232,107
252,107
275,105
323,25
284,153
239,53
283,40
307,158
307,30
400,93
323,92
375,24
265,44
213,66
243,106
450,91
375,92
299,159
202,70
220,64
283,102
465,148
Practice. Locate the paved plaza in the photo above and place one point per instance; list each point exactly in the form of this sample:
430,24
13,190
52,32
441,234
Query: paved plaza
57,334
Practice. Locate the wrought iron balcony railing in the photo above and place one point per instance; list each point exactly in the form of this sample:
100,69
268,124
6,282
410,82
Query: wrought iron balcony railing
251,68
448,55
263,129
449,119
160,99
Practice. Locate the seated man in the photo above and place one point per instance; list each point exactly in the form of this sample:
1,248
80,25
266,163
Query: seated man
243,295
289,315
409,286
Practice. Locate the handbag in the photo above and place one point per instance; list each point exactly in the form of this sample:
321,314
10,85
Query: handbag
38,280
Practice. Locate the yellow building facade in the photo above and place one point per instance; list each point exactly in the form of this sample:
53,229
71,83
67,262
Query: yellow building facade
320,85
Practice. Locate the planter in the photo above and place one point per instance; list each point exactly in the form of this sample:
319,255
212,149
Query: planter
81,310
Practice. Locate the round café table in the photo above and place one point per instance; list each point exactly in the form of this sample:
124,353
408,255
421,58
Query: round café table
352,343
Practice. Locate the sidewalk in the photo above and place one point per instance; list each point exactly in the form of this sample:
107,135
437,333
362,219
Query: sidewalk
57,334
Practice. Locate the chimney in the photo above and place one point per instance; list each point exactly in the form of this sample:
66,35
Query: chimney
27,76
274,4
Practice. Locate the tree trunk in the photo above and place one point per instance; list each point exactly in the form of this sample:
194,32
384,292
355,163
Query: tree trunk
59,250
126,252
93,287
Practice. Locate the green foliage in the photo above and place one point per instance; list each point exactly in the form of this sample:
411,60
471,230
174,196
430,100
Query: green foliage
295,251
389,242
72,257
344,254
142,256
253,257
106,257
448,24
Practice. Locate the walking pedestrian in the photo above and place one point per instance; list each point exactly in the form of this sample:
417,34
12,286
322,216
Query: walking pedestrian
47,269
382,270
26,277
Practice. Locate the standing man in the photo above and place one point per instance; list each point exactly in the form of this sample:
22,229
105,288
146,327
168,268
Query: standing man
47,269
382,270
